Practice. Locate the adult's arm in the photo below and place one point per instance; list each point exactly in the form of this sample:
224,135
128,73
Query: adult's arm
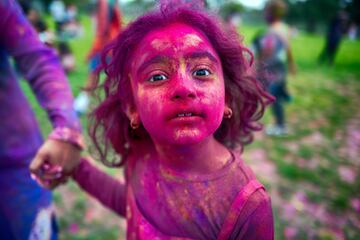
108,190
41,68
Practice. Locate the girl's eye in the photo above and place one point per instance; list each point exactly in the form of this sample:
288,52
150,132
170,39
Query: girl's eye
201,72
157,77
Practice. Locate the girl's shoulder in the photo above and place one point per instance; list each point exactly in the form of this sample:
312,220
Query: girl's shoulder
251,204
242,168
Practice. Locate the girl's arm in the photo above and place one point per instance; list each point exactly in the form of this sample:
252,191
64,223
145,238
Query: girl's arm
108,190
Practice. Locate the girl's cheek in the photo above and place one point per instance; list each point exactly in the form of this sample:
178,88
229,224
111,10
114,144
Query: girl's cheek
214,95
149,105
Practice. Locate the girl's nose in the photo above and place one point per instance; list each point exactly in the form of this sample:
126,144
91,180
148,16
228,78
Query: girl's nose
183,88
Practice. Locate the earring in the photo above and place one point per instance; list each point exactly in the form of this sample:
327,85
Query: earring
228,112
134,124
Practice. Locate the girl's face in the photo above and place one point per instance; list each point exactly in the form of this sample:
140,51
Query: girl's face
178,86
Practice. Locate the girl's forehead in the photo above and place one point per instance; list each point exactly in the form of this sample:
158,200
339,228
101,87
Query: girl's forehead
175,34
182,41
176,39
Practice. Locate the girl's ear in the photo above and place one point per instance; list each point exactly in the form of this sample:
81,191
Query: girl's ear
227,112
131,110
133,116
227,109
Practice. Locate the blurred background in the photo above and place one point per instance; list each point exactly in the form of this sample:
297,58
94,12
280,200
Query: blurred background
312,172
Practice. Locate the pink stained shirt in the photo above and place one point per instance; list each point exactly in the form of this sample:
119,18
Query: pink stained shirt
162,204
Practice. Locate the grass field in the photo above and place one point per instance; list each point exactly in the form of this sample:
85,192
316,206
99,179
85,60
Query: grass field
312,174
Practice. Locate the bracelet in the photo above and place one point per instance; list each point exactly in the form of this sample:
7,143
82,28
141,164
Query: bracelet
68,135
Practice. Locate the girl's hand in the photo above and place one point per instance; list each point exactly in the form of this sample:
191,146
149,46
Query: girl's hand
49,176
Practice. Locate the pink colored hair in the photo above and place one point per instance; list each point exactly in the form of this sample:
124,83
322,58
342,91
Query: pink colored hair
244,94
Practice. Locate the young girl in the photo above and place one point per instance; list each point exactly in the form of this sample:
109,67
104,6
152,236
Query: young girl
179,98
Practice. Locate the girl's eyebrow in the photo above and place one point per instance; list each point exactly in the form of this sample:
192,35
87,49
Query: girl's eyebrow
201,54
153,60
165,59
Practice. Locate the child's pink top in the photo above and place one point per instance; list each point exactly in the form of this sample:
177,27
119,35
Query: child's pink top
163,204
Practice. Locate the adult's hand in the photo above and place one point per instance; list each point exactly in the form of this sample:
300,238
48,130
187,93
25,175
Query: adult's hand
54,162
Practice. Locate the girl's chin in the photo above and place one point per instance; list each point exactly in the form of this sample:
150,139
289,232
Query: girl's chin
185,137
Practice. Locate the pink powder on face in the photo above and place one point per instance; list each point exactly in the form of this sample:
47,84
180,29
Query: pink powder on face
178,86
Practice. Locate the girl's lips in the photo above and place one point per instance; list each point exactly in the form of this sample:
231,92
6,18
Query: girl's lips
185,113
187,120
187,117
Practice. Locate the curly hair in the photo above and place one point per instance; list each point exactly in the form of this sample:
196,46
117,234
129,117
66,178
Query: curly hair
244,94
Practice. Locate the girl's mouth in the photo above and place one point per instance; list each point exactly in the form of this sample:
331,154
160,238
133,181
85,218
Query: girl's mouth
185,114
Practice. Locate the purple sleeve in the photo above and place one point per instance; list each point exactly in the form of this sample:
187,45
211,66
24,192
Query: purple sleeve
259,222
109,191
38,64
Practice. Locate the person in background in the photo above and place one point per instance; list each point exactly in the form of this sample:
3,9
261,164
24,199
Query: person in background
72,28
274,59
108,25
36,20
336,30
353,31
26,210
59,14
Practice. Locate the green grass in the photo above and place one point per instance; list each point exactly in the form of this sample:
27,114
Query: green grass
325,100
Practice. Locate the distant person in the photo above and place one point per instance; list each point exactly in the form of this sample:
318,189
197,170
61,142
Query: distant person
353,32
45,35
274,59
108,25
72,27
71,13
59,14
26,210
234,21
336,30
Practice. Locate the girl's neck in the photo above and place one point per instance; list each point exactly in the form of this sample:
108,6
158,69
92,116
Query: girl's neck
205,157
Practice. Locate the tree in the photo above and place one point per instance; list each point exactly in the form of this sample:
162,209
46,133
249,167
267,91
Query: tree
312,12
353,8
230,8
